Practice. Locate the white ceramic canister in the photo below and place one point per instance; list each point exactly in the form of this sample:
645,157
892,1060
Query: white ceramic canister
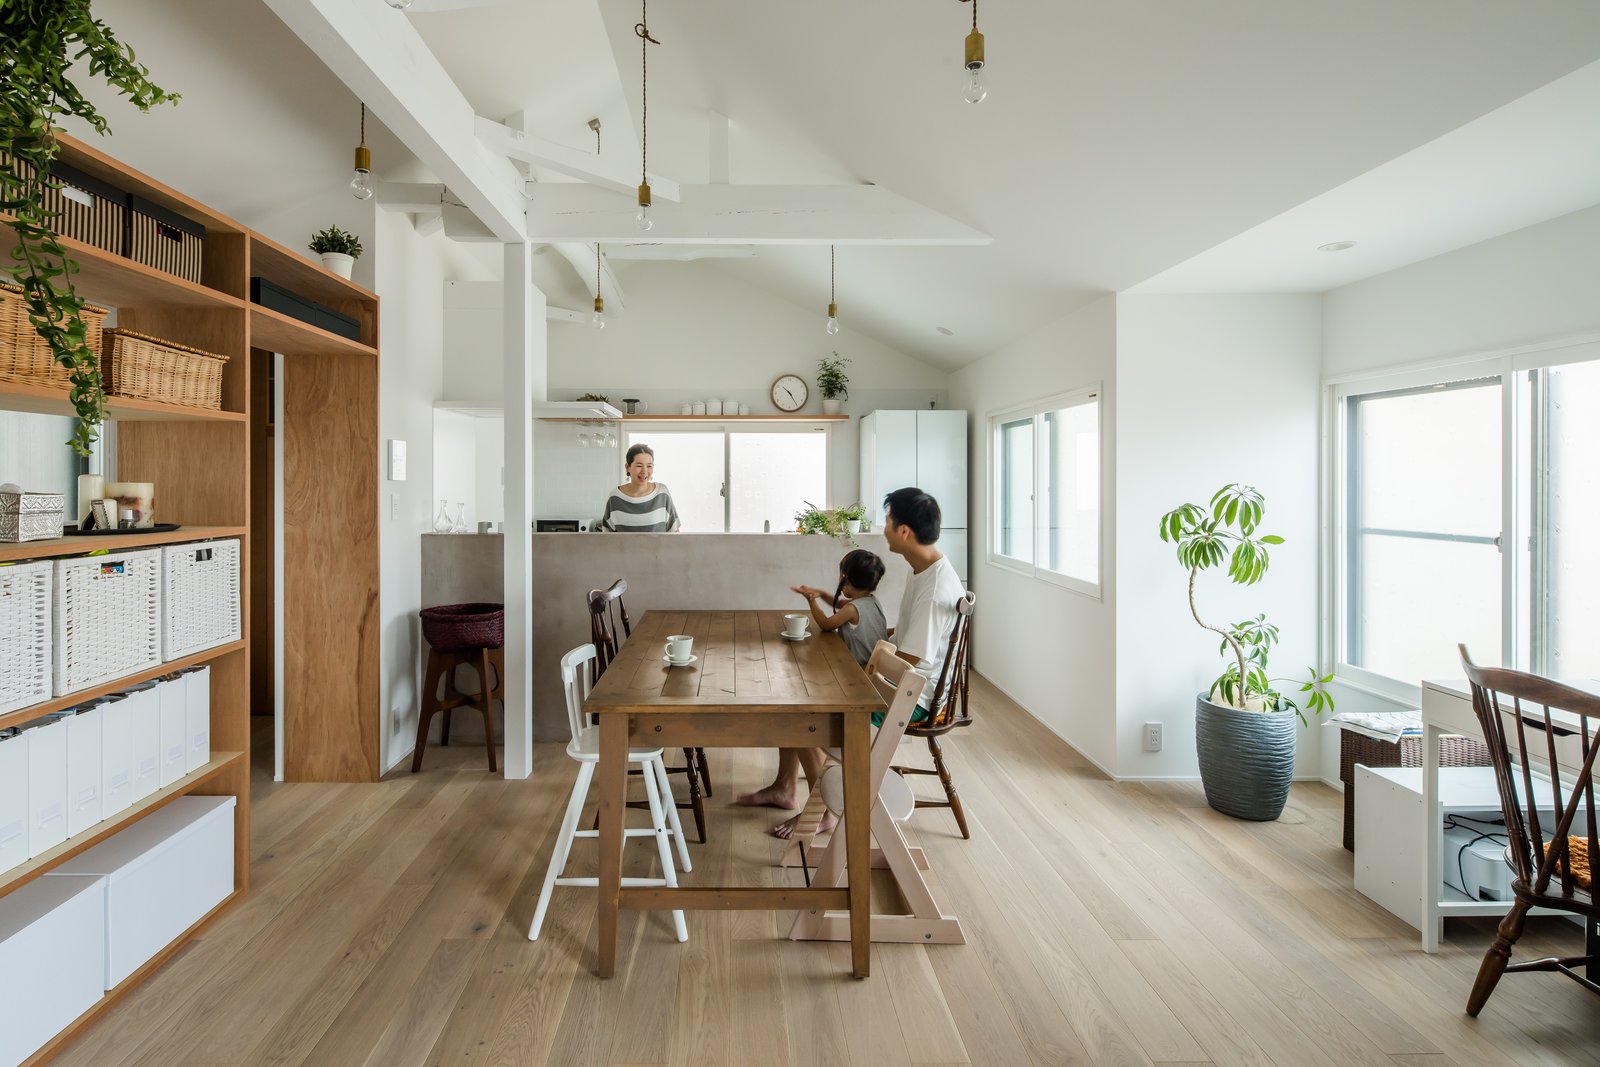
713,407
699,407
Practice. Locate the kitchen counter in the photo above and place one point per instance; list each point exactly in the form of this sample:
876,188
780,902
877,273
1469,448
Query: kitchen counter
664,571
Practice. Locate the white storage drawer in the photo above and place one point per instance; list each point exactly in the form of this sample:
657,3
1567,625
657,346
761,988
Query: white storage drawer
199,597
52,960
13,801
163,874
47,786
25,634
107,612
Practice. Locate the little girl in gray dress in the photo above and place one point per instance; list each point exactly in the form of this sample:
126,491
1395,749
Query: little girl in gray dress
856,614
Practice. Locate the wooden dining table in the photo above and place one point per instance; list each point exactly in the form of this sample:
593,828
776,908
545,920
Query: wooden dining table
749,687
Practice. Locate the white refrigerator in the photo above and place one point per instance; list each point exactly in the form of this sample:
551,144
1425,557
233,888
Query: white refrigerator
927,449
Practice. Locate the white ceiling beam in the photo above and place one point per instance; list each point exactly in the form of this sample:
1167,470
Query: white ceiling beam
555,314
679,253
718,141
746,215
432,7
581,256
428,225
380,56
421,197
574,163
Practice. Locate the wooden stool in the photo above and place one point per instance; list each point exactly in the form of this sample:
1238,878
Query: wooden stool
442,667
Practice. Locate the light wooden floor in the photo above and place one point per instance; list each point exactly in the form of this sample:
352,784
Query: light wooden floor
1106,924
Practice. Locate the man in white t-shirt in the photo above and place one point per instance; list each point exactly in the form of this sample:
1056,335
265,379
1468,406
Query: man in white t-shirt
928,613
929,608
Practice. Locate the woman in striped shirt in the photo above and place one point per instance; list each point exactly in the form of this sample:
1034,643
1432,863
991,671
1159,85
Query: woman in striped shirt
640,505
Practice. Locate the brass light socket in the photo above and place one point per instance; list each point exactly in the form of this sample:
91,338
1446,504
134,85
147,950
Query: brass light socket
599,305
644,194
833,311
974,50
363,159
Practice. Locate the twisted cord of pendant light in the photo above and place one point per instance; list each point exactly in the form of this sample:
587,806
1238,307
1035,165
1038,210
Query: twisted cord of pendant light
642,29
363,123
597,270
832,276
974,4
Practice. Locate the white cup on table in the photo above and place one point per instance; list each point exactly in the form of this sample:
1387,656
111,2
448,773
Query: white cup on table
680,648
795,625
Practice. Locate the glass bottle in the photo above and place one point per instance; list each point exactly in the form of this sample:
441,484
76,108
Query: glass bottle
441,521
459,522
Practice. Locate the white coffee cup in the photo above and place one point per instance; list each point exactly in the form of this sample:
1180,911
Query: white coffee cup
680,647
795,625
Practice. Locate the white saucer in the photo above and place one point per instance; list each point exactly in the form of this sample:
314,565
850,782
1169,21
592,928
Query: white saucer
788,637
669,661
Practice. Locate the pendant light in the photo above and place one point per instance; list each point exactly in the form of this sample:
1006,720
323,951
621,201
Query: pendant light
833,305
599,319
975,91
399,5
361,184
645,41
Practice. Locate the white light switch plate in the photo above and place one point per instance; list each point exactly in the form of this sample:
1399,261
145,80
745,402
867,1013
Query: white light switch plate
397,461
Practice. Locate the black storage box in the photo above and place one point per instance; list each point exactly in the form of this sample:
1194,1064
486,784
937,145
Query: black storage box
298,307
164,239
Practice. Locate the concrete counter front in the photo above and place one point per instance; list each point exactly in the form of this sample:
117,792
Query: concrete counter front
692,572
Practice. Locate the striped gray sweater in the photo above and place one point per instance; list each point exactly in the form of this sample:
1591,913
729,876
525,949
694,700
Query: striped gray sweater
652,513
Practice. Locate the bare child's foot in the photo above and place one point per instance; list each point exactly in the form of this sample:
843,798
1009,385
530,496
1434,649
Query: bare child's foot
773,796
785,829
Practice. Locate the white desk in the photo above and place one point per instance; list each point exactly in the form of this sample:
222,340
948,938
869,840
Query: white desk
1447,709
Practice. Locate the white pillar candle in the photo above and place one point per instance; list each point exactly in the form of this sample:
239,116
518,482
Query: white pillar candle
91,487
136,501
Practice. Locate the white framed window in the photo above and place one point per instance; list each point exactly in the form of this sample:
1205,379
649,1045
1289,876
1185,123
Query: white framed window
738,479
1044,499
1467,505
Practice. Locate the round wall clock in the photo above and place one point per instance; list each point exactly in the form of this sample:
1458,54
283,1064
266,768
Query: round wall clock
789,392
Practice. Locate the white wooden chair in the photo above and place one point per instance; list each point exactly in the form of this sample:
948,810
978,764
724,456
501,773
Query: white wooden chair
576,679
893,804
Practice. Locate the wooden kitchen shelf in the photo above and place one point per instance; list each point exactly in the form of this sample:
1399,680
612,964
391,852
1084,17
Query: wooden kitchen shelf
114,281
277,332
82,546
45,400
116,685
714,418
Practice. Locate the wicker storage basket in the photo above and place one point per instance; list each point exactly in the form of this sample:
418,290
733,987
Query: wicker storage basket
461,627
1356,748
25,638
148,368
24,356
199,597
31,516
107,613
164,239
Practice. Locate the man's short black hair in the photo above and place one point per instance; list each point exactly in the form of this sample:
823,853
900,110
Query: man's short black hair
914,508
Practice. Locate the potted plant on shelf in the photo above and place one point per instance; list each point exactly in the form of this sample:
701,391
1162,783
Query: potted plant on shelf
833,382
1244,737
853,516
339,250
827,521
40,50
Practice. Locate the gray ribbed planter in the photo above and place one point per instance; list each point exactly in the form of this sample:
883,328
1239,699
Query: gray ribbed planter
1246,759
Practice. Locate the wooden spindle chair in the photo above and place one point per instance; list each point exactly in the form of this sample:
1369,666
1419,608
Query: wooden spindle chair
1528,719
606,610
951,710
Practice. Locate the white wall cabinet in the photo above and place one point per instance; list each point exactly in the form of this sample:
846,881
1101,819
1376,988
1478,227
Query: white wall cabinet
927,449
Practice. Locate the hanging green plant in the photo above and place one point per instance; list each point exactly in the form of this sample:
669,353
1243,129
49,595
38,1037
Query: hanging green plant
40,42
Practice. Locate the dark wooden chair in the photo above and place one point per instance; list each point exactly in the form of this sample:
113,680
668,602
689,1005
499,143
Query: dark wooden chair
1526,718
951,710
606,612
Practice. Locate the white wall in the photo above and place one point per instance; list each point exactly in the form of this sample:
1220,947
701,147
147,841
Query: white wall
1051,649
409,274
1210,390
1530,285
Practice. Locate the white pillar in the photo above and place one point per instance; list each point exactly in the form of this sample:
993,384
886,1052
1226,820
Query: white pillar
524,384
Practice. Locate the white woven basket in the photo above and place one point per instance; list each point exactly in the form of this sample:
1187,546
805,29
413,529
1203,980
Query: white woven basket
199,597
25,640
107,618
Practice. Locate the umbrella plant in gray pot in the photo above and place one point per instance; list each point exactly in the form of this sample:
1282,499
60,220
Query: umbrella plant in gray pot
1244,736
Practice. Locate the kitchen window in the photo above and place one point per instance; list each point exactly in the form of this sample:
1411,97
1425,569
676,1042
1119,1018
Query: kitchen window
738,480
1045,490
1468,508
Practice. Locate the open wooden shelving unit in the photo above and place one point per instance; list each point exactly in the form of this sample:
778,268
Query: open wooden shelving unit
203,467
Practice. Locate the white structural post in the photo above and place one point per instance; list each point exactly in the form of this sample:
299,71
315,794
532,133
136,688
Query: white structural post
524,384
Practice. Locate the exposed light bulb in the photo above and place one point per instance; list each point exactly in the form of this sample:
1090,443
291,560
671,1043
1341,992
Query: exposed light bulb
643,217
833,319
361,185
599,319
975,91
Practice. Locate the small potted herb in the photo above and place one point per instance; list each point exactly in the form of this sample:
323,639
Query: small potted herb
853,516
339,250
834,382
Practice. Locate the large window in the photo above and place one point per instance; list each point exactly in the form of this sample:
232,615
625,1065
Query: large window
1469,510
1045,503
741,481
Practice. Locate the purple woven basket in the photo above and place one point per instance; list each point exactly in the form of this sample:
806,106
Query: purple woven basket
462,627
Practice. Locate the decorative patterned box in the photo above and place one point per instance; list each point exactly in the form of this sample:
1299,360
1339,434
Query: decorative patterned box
31,516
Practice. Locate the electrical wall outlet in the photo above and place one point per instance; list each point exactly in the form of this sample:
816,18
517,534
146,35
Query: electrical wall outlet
1152,737
394,505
